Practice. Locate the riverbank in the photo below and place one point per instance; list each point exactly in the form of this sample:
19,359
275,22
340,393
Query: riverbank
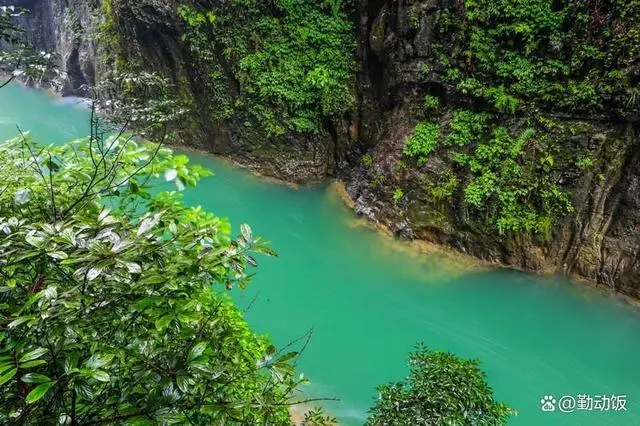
452,259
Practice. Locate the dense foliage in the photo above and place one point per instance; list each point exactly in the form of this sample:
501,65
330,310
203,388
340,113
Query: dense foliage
510,180
423,141
107,311
441,389
514,67
292,60
561,55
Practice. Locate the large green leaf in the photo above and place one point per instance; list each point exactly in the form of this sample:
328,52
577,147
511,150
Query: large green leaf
35,378
101,376
32,355
38,392
196,351
8,376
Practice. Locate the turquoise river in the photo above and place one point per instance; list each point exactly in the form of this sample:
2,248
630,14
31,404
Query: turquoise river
369,299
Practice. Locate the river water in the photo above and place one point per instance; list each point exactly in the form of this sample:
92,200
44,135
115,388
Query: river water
369,299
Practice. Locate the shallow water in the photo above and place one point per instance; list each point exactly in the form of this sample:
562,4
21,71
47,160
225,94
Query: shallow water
370,299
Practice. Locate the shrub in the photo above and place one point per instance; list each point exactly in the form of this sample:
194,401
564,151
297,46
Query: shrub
423,141
584,163
398,195
107,311
466,127
541,54
367,160
431,103
509,179
445,188
292,59
441,389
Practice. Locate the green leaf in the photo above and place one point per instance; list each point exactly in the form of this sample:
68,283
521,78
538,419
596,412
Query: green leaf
163,321
103,214
16,322
98,361
85,391
183,383
101,376
271,350
59,255
37,393
5,367
196,351
265,250
34,354
246,232
8,376
143,303
31,364
288,356
35,378
133,267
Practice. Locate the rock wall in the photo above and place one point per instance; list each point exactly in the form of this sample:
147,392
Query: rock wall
153,36
599,240
68,29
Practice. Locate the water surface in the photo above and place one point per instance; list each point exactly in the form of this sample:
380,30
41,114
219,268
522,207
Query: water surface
369,300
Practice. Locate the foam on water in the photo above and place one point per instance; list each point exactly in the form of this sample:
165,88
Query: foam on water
73,101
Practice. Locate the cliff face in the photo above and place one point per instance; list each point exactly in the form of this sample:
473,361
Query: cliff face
598,238
214,61
66,28
439,143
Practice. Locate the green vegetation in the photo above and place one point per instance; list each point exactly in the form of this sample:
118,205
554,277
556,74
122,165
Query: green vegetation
293,61
377,181
367,160
584,163
511,182
9,31
107,35
516,63
511,176
17,56
316,417
466,127
569,55
444,189
441,389
423,141
431,103
414,17
107,311
398,195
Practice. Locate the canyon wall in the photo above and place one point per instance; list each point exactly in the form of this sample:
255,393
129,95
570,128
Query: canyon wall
598,240
68,30
427,146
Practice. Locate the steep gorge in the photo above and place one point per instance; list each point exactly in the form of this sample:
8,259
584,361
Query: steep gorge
566,200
